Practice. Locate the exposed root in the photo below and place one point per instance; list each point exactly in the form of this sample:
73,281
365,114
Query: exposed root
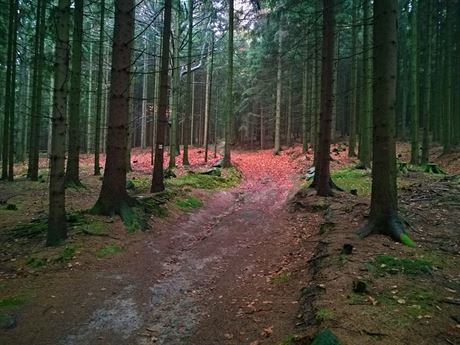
391,226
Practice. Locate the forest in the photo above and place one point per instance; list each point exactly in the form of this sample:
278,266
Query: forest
229,172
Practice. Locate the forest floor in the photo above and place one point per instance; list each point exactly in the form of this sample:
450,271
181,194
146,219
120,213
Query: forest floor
223,262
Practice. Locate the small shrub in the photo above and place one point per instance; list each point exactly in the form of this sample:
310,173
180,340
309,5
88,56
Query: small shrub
324,314
66,255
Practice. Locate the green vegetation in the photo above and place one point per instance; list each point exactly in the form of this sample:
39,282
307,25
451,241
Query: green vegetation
200,181
133,217
9,302
110,249
351,178
282,278
95,228
36,262
34,229
138,184
288,340
11,207
392,265
324,314
66,255
325,337
189,204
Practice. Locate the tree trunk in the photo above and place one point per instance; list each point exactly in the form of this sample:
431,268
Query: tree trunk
427,91
188,96
72,172
144,99
207,109
354,79
157,176
383,217
365,144
277,148
322,175
227,162
100,77
414,118
89,105
113,197
37,86
57,226
289,111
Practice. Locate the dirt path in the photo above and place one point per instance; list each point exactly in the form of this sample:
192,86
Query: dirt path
227,274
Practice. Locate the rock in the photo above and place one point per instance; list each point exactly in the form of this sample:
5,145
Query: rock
212,172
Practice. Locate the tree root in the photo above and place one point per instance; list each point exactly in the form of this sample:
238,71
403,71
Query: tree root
390,225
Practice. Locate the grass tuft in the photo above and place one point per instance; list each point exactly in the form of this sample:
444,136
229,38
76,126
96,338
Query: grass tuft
110,249
350,178
189,204
392,265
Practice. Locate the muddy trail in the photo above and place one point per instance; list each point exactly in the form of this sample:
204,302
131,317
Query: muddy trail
230,273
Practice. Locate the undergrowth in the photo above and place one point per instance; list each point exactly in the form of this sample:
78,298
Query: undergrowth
350,178
189,204
200,181
110,249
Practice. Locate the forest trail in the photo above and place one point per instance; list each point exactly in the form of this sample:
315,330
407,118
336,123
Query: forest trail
226,274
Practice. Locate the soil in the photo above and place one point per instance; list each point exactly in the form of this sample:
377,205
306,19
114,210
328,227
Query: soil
246,268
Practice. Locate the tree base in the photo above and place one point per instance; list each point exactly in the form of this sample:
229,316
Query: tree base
391,226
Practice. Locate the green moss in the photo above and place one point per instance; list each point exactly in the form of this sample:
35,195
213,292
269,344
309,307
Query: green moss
407,241
325,337
324,314
66,255
392,265
189,204
110,249
350,178
10,302
138,184
282,278
96,228
11,207
36,262
288,340
133,218
231,179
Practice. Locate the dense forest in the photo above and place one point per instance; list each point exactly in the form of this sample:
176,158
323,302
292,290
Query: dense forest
97,89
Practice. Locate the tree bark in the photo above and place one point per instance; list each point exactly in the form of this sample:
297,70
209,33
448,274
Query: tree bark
322,175
57,225
414,118
157,176
227,161
354,79
188,95
100,77
73,168
277,148
113,197
383,218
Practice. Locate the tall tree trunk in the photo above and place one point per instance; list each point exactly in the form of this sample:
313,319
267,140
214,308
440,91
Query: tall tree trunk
57,226
100,77
37,86
383,217
10,65
89,105
277,148
305,104
427,90
289,111
144,99
157,176
72,172
227,161
113,197
365,144
173,152
12,104
207,109
414,107
322,175
188,96
354,84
